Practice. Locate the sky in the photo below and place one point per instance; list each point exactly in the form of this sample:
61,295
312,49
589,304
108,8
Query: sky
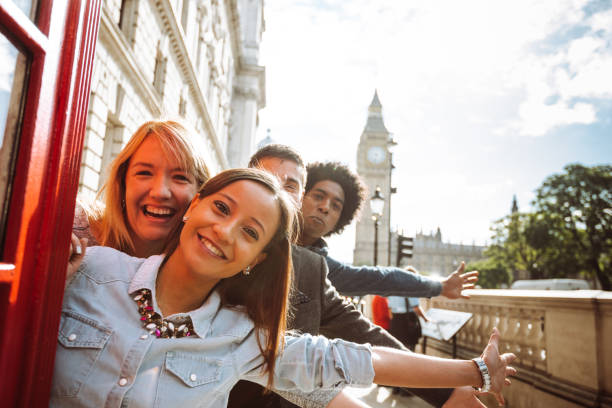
485,98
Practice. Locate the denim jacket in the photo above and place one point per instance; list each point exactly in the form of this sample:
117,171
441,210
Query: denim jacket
106,358
352,280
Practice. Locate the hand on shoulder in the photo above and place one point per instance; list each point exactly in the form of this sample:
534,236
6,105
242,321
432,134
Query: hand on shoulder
76,255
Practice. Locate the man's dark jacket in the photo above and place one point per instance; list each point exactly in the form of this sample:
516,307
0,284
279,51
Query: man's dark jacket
319,309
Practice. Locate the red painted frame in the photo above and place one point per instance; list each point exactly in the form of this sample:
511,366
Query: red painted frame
61,46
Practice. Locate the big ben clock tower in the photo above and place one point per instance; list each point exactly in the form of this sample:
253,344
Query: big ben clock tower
374,166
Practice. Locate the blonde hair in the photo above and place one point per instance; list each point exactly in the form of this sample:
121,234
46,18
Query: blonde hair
177,143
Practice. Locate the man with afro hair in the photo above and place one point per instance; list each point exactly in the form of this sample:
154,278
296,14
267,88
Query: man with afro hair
320,177
332,200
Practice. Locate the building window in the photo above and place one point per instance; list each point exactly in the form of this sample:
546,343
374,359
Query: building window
159,74
183,101
128,17
13,86
182,107
113,142
185,16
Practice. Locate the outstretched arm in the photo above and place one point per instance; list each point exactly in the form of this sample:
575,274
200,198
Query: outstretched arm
394,367
309,363
353,280
398,368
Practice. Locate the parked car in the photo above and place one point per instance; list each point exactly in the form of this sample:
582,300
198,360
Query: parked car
551,284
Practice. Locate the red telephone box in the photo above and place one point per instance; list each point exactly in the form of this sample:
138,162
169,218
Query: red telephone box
44,95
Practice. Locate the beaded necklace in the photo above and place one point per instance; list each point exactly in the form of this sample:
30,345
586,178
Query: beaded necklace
153,322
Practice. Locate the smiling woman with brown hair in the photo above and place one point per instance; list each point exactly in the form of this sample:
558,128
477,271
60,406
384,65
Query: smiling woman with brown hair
182,328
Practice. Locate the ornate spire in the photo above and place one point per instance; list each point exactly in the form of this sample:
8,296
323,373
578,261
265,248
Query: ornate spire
514,204
375,120
266,141
375,100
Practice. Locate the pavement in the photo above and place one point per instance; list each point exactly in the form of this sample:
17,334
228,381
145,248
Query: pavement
382,397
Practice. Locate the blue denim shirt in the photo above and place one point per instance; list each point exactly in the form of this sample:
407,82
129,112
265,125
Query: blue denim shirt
106,358
352,280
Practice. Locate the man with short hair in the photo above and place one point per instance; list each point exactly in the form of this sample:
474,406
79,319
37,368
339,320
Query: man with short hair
317,306
286,164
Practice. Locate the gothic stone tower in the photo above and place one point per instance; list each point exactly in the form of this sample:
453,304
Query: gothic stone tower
374,166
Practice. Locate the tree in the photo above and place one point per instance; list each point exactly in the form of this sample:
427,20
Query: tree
569,234
513,242
577,207
493,273
558,256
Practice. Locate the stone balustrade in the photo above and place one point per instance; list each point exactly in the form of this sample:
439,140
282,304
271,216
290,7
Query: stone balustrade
563,340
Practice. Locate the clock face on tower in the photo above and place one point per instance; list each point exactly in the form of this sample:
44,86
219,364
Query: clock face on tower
376,154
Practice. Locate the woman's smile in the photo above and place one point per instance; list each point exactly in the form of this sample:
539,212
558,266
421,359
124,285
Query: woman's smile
232,225
211,247
156,194
162,213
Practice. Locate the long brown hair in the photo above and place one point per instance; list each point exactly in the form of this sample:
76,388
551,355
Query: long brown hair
263,292
178,143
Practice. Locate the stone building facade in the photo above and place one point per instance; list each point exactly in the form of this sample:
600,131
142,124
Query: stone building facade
196,60
434,257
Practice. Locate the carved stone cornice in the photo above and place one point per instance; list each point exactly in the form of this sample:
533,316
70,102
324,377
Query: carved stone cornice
248,93
179,47
258,72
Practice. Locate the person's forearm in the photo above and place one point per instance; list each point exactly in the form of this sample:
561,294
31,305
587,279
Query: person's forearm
352,280
397,368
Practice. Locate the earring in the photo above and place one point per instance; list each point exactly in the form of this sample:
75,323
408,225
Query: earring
185,218
123,203
247,271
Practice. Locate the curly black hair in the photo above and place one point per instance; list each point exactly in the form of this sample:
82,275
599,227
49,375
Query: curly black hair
354,189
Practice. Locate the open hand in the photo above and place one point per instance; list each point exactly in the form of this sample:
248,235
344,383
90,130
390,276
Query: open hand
454,284
498,366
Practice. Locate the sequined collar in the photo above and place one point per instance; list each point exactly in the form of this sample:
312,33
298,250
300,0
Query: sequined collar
145,278
153,322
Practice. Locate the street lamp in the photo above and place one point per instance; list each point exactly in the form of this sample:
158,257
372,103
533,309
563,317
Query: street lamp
391,144
377,203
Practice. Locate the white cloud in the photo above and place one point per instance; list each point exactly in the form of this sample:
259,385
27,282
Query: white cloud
432,55
537,118
450,75
591,78
582,50
601,21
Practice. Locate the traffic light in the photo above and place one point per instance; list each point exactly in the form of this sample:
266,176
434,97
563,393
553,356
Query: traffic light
404,248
